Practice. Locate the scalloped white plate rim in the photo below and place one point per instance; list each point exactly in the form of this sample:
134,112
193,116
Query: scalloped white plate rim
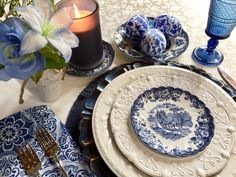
108,160
117,131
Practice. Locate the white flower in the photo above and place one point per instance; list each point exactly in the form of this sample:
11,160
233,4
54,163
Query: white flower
47,27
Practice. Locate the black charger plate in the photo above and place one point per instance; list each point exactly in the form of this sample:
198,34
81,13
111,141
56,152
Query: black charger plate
79,122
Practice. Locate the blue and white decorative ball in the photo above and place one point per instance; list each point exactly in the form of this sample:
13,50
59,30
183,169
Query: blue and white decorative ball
136,27
170,26
153,43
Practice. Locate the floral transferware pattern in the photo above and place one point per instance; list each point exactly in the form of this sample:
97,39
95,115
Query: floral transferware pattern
18,129
176,122
168,25
175,115
176,47
153,43
136,27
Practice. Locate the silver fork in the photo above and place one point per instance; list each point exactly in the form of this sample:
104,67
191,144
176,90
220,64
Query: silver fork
29,160
49,146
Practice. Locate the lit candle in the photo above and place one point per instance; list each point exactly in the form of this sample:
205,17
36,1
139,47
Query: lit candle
86,26
81,24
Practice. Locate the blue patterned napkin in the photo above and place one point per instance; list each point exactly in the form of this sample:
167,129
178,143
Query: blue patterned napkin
18,129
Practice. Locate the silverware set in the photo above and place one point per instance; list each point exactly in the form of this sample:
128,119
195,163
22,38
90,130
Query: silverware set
29,158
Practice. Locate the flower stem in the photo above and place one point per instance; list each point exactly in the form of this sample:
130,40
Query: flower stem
63,73
21,100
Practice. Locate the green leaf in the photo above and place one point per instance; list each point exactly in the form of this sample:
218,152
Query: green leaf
53,59
10,5
37,77
1,66
28,2
13,4
59,63
53,6
2,12
2,8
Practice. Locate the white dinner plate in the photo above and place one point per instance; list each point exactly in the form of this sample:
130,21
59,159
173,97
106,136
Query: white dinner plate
103,136
169,92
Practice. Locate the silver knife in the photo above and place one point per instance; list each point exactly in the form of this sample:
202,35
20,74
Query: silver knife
226,77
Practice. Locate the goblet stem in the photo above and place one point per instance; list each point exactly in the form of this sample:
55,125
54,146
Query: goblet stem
208,55
211,45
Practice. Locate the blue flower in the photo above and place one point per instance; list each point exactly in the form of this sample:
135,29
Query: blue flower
12,64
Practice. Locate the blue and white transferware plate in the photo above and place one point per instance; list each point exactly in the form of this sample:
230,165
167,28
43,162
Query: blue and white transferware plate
111,124
17,129
177,47
172,121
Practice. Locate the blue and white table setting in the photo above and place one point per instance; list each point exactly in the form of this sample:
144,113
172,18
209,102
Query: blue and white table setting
147,110
17,129
158,124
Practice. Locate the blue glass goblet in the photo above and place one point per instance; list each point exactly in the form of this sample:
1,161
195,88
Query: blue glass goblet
221,22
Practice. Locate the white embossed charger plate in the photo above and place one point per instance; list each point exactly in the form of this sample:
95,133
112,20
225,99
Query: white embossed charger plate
173,89
103,136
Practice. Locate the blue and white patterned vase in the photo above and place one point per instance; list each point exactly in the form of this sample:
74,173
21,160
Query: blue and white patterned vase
170,26
153,42
136,27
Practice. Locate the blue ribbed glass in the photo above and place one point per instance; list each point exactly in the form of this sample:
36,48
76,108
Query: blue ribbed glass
221,22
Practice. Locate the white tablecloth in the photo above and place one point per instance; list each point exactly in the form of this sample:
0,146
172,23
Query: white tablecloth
192,14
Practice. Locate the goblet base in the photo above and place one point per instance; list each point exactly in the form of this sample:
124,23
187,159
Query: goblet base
203,57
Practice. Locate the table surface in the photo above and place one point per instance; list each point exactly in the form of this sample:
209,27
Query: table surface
193,15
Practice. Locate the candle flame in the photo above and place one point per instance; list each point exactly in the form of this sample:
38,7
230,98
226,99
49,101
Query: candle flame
76,11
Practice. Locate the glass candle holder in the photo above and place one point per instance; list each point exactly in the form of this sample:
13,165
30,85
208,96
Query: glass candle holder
86,26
